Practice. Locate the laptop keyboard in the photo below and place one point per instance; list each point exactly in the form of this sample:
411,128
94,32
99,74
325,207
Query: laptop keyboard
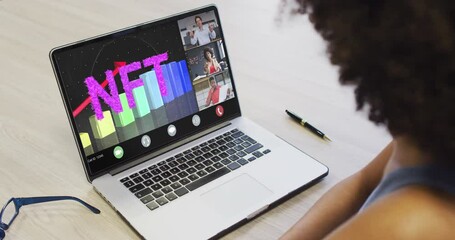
174,177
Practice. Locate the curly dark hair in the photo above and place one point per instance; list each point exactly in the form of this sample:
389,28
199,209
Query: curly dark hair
207,49
400,54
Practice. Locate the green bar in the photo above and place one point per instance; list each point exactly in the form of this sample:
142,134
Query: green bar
142,105
102,128
126,117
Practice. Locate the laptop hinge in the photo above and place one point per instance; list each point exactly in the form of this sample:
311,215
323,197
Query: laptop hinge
167,148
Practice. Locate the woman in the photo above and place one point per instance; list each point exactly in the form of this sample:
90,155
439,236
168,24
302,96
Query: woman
400,55
211,64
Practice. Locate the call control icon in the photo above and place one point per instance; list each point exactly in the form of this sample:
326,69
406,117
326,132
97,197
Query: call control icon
118,152
171,130
146,141
196,120
219,110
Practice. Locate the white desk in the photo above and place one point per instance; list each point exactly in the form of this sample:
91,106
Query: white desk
275,67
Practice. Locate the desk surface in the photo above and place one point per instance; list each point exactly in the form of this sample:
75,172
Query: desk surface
286,63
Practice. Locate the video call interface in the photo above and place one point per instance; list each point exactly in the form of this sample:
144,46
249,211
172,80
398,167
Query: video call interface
127,86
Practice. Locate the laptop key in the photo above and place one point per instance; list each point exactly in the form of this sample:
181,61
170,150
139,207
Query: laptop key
171,196
176,185
246,144
136,188
193,177
184,181
242,161
182,174
241,154
199,166
225,161
157,194
252,141
230,151
157,178
138,179
152,206
215,159
148,182
124,179
200,182
239,148
181,191
147,199
174,178
233,166
174,170
191,162
207,162
266,151
143,193
191,170
183,166
253,148
237,134
134,175
147,175
161,201
143,171
165,182
251,159
223,148
166,174
201,173
189,156
128,184
155,171
166,190
218,165
209,169
156,186
258,154
199,159
181,159
165,168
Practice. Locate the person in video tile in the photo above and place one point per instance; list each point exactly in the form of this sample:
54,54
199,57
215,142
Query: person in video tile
202,34
217,93
211,64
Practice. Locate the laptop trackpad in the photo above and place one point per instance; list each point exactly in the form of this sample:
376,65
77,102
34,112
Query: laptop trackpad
239,193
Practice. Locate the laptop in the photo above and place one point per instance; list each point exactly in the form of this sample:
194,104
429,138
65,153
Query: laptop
172,165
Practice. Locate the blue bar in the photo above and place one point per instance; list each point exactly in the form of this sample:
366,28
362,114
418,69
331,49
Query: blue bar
187,85
152,89
170,91
176,78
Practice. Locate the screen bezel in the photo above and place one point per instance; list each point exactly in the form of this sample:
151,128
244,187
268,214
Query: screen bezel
232,104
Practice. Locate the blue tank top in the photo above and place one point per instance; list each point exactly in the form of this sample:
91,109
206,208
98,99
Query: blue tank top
431,176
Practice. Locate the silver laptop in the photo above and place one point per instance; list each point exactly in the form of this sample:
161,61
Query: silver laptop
166,148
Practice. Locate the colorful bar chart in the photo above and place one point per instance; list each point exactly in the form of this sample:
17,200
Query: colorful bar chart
152,108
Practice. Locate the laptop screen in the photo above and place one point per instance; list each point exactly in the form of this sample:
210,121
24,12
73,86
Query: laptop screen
137,90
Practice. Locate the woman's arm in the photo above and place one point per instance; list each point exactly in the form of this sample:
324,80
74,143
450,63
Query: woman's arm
206,68
341,202
216,65
209,97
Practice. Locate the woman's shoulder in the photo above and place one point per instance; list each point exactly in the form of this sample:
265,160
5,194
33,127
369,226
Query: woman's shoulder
413,212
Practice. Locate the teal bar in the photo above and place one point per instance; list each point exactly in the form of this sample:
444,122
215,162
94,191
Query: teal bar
142,105
126,116
152,90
